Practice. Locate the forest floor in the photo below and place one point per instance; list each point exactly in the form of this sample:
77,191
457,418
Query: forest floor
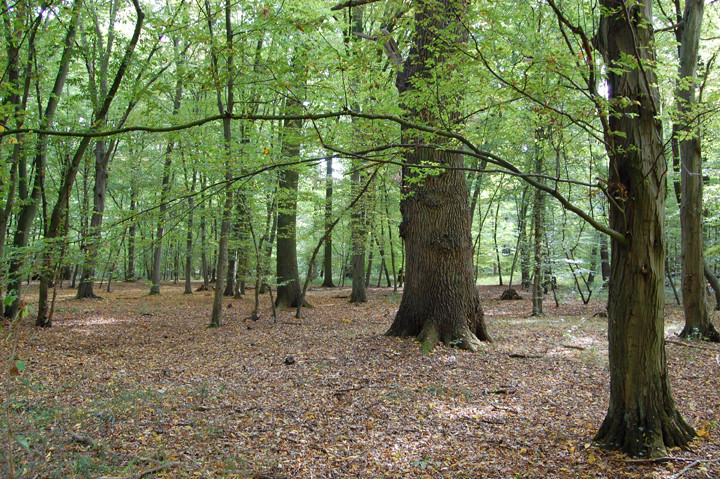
135,386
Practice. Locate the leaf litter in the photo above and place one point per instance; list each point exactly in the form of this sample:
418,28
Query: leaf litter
137,386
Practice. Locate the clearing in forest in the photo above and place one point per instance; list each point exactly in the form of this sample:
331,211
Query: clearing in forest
132,383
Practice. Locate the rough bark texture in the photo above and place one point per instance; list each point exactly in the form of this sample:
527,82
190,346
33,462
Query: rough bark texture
440,301
697,319
327,259
538,234
288,289
358,234
642,418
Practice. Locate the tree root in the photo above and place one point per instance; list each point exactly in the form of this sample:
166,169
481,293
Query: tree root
430,336
690,345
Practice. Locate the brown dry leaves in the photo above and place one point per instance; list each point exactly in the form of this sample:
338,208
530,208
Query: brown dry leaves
149,387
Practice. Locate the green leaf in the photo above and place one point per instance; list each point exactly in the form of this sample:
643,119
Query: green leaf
23,442
20,365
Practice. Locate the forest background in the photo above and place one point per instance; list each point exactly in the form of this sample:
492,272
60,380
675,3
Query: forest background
272,145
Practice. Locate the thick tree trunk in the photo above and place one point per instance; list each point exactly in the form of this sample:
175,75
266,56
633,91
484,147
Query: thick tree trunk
440,302
642,418
231,275
288,277
288,289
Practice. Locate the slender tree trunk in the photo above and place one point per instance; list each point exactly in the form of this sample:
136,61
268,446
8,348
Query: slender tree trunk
604,259
358,235
697,319
189,236
132,232
538,235
327,260
167,172
642,418
217,310
497,248
713,280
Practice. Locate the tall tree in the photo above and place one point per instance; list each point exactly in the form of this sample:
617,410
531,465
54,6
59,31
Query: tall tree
288,277
642,418
687,139
98,80
167,172
56,224
28,211
440,302
327,258
225,108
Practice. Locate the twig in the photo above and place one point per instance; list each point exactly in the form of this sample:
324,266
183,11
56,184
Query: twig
524,356
147,472
345,390
571,346
486,421
509,390
690,345
527,356
692,465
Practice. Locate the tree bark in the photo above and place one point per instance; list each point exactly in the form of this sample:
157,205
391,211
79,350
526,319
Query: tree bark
132,232
358,236
327,260
642,418
288,277
440,302
697,319
538,234
189,234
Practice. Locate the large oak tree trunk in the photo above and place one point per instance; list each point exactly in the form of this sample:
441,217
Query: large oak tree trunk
642,418
440,302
